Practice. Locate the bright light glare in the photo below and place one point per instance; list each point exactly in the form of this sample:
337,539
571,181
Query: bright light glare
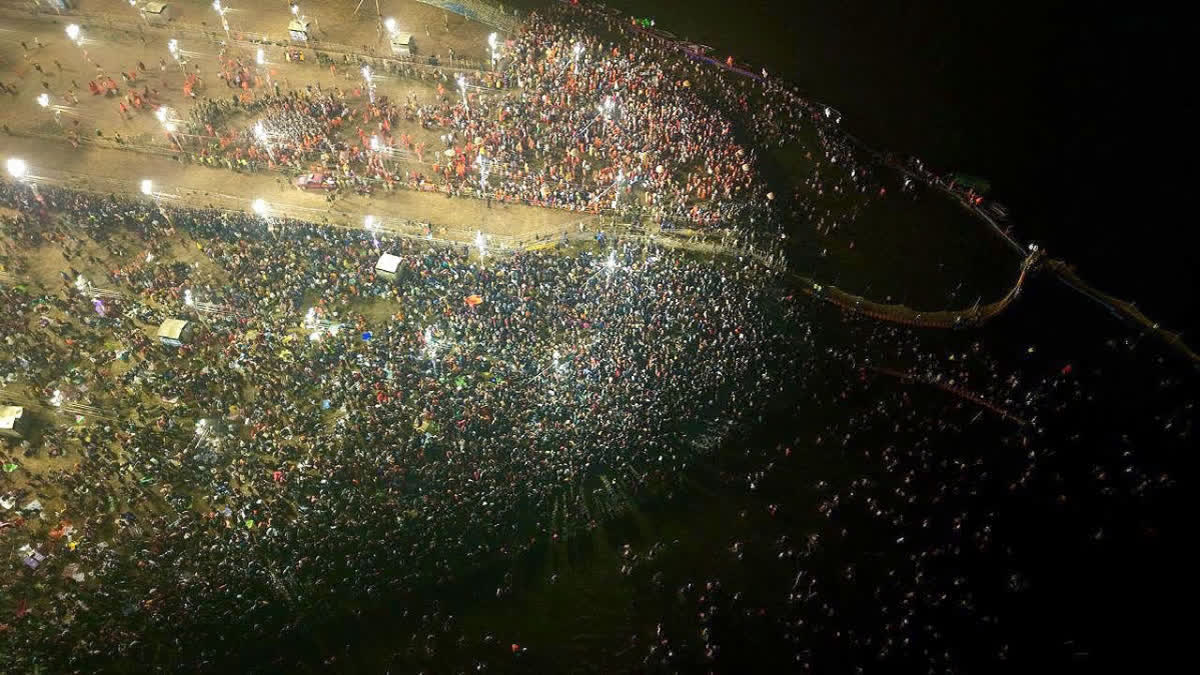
73,32
161,114
16,167
173,45
375,144
611,263
260,132
217,6
259,57
390,24
147,186
369,222
366,72
170,127
295,8
43,99
492,40
187,297
259,206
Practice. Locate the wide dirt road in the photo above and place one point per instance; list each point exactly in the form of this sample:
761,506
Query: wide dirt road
119,171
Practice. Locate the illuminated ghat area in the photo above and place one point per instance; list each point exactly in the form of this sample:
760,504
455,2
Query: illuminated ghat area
425,336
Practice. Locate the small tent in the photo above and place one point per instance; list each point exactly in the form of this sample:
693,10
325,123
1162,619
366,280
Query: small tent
302,29
403,44
387,265
159,13
175,332
13,421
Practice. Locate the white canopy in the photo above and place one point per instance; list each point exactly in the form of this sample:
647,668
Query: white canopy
172,328
10,418
388,263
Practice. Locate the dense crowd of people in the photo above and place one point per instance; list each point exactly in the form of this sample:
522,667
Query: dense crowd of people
330,434
293,429
571,121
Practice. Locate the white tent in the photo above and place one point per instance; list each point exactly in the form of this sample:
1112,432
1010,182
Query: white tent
159,13
302,29
387,265
13,421
403,45
175,332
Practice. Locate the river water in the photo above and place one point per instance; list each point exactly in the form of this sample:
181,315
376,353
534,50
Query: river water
1032,98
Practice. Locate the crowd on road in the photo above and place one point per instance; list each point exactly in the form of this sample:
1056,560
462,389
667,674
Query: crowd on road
330,433
570,121
296,447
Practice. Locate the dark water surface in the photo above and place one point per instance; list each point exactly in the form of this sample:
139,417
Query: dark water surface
1072,110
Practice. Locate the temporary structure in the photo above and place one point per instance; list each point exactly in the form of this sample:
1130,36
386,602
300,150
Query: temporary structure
159,13
403,44
175,332
13,421
302,29
387,265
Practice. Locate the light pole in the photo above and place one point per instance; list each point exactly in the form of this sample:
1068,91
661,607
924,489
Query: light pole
492,42
164,115
221,13
16,167
133,4
19,171
260,58
366,73
262,210
371,224
147,187
484,169
389,24
481,243
462,89
260,133
431,347
75,35
43,99
173,47
604,112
